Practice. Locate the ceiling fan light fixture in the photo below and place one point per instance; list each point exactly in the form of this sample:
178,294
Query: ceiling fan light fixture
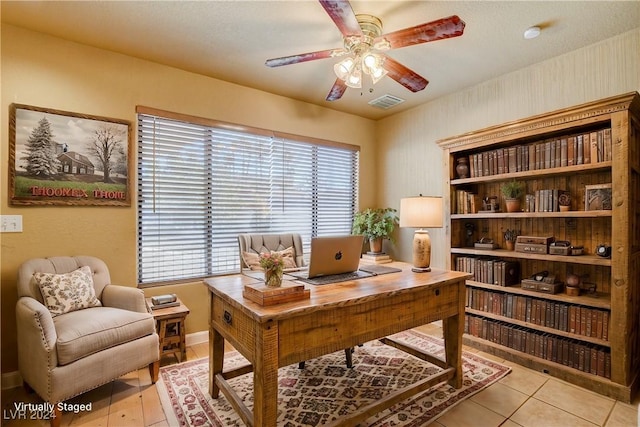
354,79
350,69
344,68
378,74
362,37
370,60
372,65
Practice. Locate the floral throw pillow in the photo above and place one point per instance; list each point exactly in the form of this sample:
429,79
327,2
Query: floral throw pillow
252,260
63,293
287,257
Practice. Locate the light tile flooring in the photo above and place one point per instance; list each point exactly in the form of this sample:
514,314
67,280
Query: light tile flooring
523,398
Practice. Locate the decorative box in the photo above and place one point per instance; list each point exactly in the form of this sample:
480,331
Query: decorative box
530,285
287,292
531,248
533,244
543,287
479,245
550,288
535,240
560,248
577,250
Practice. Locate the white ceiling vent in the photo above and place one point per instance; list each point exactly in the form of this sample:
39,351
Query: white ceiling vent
386,101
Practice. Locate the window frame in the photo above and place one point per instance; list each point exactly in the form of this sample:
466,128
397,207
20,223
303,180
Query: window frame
320,144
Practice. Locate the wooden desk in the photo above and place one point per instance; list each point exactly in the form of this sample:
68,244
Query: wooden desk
336,317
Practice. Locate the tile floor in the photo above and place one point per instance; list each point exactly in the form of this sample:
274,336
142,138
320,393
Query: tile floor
523,398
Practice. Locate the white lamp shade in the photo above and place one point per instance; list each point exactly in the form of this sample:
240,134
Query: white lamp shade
421,212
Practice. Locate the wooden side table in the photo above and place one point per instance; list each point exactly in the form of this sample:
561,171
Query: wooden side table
171,329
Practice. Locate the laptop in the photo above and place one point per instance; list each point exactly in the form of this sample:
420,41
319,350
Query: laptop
332,256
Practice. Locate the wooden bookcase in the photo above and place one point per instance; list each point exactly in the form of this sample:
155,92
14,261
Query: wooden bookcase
562,335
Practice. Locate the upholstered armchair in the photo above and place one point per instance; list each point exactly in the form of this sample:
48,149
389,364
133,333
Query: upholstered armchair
290,243
77,331
255,244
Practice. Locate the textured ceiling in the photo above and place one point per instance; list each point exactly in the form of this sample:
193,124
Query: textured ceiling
230,40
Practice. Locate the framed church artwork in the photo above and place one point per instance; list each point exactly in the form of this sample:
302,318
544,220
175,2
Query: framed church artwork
597,197
63,158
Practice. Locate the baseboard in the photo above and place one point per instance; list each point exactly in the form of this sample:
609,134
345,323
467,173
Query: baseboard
197,338
11,380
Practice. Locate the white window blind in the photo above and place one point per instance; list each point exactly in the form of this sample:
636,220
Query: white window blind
199,186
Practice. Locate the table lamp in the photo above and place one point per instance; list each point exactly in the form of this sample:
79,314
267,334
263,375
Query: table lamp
421,212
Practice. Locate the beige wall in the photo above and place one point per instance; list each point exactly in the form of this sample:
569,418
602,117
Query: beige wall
47,72
409,159
52,73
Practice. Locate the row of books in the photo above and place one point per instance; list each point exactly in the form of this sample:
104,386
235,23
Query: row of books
584,357
494,271
547,200
466,202
584,148
576,319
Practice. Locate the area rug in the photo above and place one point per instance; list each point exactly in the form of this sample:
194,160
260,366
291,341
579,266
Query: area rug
326,389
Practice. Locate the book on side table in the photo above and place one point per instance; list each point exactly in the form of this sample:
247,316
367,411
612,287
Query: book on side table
164,301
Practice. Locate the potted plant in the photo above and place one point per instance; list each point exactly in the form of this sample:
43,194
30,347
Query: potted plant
512,192
510,238
376,225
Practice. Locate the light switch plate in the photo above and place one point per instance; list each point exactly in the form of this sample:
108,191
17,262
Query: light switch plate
11,223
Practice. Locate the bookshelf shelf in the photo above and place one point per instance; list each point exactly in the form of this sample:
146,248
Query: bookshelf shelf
567,170
578,259
599,300
540,328
565,373
522,215
569,151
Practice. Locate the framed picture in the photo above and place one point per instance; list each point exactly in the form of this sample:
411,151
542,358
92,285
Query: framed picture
597,197
62,158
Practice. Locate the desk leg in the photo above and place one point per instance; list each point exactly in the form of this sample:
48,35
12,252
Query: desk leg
452,328
216,360
265,376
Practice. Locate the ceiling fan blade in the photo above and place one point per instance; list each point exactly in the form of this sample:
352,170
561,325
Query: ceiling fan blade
337,90
443,28
342,14
304,57
407,78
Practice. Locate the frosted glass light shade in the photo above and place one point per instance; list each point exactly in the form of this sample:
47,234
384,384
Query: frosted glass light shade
344,67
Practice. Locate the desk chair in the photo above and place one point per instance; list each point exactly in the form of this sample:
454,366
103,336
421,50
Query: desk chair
254,244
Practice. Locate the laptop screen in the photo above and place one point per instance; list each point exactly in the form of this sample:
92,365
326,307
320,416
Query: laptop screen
334,255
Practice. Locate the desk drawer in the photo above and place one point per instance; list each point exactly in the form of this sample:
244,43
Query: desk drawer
235,326
324,331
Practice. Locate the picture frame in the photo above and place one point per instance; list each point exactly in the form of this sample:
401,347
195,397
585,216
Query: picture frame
68,159
598,197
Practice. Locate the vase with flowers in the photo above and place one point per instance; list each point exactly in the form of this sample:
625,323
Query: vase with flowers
272,264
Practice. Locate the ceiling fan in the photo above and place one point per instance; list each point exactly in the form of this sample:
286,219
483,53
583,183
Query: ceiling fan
365,45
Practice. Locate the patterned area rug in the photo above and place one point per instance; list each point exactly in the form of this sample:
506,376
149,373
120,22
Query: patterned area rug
327,389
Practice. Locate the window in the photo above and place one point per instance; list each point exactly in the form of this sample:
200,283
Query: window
201,183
